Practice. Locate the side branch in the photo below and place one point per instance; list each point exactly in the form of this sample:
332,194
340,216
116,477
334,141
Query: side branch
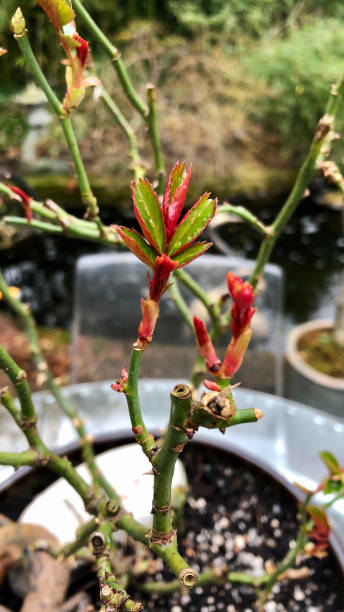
115,56
26,318
86,192
245,215
154,136
143,437
322,134
112,593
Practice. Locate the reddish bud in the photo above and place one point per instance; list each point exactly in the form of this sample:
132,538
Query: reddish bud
235,353
206,347
82,49
242,311
162,269
211,385
174,198
24,199
121,381
150,314
320,532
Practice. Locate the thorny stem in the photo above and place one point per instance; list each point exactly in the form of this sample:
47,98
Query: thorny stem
60,465
324,128
142,436
95,502
112,593
115,56
70,231
155,137
165,459
25,316
290,558
163,538
221,576
137,164
82,535
18,379
29,457
86,192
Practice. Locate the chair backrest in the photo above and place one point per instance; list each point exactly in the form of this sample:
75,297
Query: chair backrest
107,312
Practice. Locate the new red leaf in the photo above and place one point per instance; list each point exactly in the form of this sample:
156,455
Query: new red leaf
191,252
137,245
149,214
192,224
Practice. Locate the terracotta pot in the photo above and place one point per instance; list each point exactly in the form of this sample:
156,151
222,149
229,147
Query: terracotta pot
305,384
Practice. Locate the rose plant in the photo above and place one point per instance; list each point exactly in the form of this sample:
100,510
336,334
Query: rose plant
167,244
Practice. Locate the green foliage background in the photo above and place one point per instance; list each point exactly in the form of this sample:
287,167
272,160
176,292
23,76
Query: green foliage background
282,54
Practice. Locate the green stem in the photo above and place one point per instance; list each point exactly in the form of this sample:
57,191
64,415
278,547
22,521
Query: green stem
84,185
178,300
112,593
115,56
18,379
155,137
165,459
168,551
108,238
137,164
29,457
197,291
245,215
25,316
324,128
95,502
142,436
202,418
87,195
82,535
25,47
60,465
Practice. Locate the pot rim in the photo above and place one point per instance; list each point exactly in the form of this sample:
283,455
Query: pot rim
121,437
294,360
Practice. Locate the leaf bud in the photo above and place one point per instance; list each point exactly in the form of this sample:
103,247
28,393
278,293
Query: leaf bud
18,23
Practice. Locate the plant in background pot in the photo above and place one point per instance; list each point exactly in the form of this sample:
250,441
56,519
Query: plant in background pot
166,245
314,368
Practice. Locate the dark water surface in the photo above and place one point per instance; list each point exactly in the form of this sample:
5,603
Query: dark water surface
310,251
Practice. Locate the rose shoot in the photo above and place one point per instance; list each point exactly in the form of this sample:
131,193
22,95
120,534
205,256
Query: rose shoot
241,315
166,243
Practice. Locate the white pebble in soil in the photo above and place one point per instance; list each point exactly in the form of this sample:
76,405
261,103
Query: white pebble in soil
298,594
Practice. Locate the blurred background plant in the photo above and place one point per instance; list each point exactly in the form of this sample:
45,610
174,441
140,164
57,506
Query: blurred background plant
260,61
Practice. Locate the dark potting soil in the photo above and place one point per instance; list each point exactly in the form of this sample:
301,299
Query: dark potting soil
236,516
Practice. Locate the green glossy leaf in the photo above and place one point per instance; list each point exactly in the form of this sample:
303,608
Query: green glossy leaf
332,486
191,252
192,224
137,245
149,214
58,11
330,462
